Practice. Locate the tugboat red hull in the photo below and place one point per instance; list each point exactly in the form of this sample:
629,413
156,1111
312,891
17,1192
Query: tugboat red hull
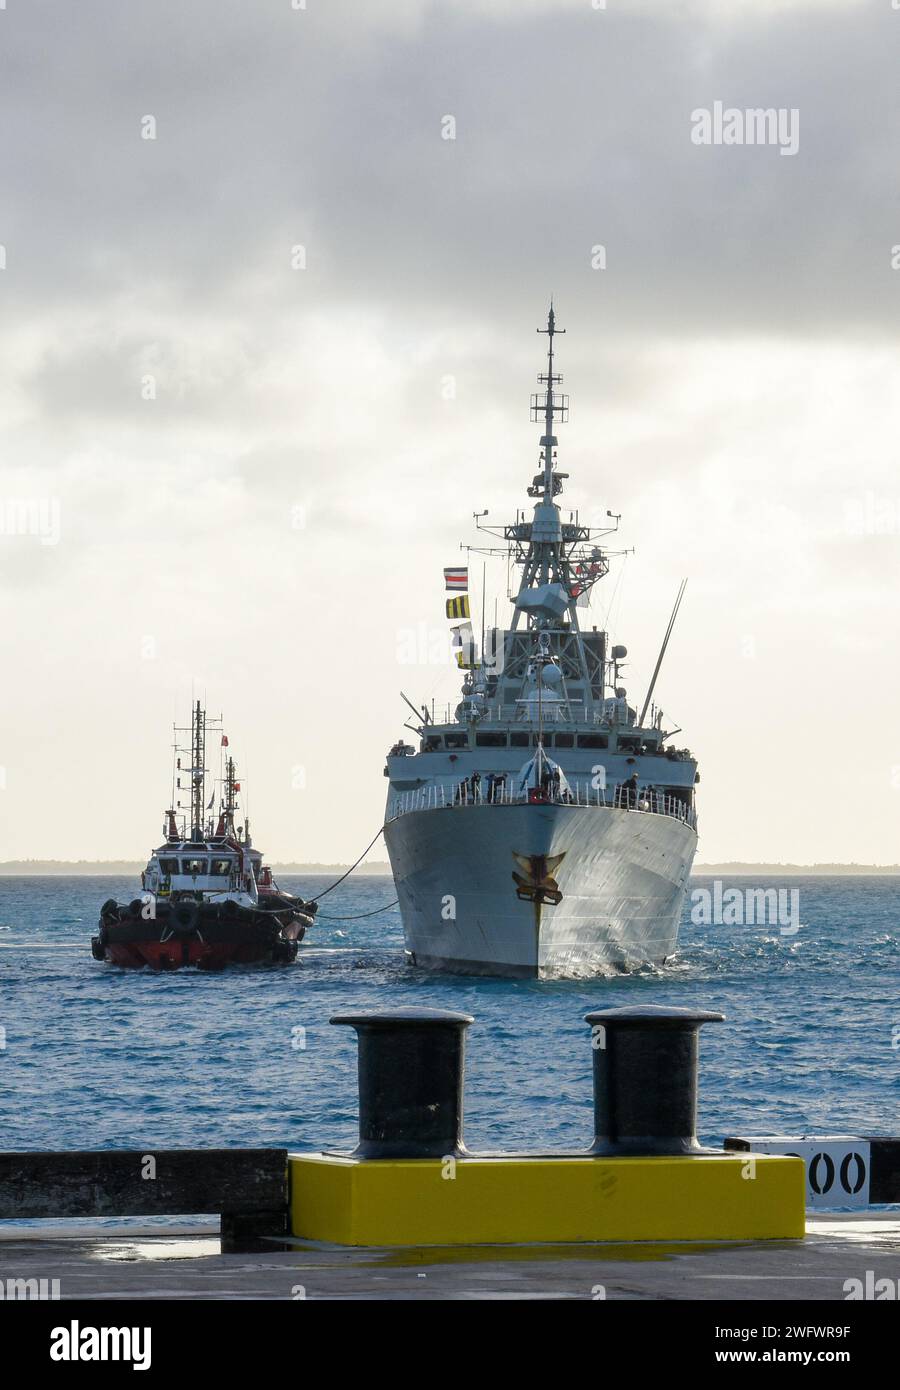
213,941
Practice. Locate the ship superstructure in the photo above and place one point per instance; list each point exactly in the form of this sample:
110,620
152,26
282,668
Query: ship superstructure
542,826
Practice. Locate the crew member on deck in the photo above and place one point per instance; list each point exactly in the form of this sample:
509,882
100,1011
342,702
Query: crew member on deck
629,790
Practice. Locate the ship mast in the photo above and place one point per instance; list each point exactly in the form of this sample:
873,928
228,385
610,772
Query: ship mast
560,561
551,409
546,552
198,771
230,797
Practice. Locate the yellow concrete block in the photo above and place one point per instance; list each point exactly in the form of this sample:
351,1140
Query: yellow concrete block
474,1201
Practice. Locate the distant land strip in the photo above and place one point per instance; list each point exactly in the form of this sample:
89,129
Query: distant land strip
118,867
809,870
70,867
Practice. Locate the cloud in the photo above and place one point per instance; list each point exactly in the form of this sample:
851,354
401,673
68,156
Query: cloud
279,506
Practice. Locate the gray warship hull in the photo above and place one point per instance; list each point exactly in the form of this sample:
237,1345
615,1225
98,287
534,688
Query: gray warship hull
473,886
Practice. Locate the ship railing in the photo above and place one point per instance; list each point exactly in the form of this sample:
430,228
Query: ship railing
521,715
437,795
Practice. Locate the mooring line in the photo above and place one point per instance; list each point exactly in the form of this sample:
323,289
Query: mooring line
350,870
356,915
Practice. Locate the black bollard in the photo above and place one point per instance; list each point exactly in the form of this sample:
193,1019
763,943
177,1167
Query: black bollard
645,1079
411,1068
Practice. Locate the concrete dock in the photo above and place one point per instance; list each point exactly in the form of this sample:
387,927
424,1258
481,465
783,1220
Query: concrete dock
186,1263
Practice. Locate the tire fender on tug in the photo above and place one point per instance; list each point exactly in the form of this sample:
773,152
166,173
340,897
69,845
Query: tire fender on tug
184,917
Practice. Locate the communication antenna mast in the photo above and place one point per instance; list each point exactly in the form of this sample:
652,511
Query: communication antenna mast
551,406
662,650
198,770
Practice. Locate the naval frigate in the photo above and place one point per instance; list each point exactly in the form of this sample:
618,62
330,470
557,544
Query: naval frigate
542,827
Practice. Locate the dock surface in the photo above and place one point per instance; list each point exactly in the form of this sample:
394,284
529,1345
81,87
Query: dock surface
187,1263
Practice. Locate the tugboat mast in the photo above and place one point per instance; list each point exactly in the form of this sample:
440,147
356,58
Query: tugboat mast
229,798
198,771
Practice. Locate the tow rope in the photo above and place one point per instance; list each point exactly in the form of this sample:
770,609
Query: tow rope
356,915
350,870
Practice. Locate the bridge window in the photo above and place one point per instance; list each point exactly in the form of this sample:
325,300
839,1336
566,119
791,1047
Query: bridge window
564,741
593,741
491,739
221,867
519,739
169,866
457,741
193,866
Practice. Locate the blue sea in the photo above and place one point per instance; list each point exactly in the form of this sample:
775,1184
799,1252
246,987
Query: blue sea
97,1057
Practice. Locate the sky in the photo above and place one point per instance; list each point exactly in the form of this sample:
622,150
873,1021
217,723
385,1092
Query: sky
271,275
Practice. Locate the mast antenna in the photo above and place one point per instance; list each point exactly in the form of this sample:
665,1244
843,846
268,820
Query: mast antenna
662,650
198,770
483,588
550,406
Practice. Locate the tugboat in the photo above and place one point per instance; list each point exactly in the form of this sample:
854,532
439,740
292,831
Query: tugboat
207,898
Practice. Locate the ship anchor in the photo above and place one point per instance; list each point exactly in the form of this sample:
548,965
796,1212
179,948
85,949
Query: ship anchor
539,886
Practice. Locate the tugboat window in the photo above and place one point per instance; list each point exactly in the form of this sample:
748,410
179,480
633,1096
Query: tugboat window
221,866
169,866
193,866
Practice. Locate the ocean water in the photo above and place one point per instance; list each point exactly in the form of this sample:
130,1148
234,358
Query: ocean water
97,1057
